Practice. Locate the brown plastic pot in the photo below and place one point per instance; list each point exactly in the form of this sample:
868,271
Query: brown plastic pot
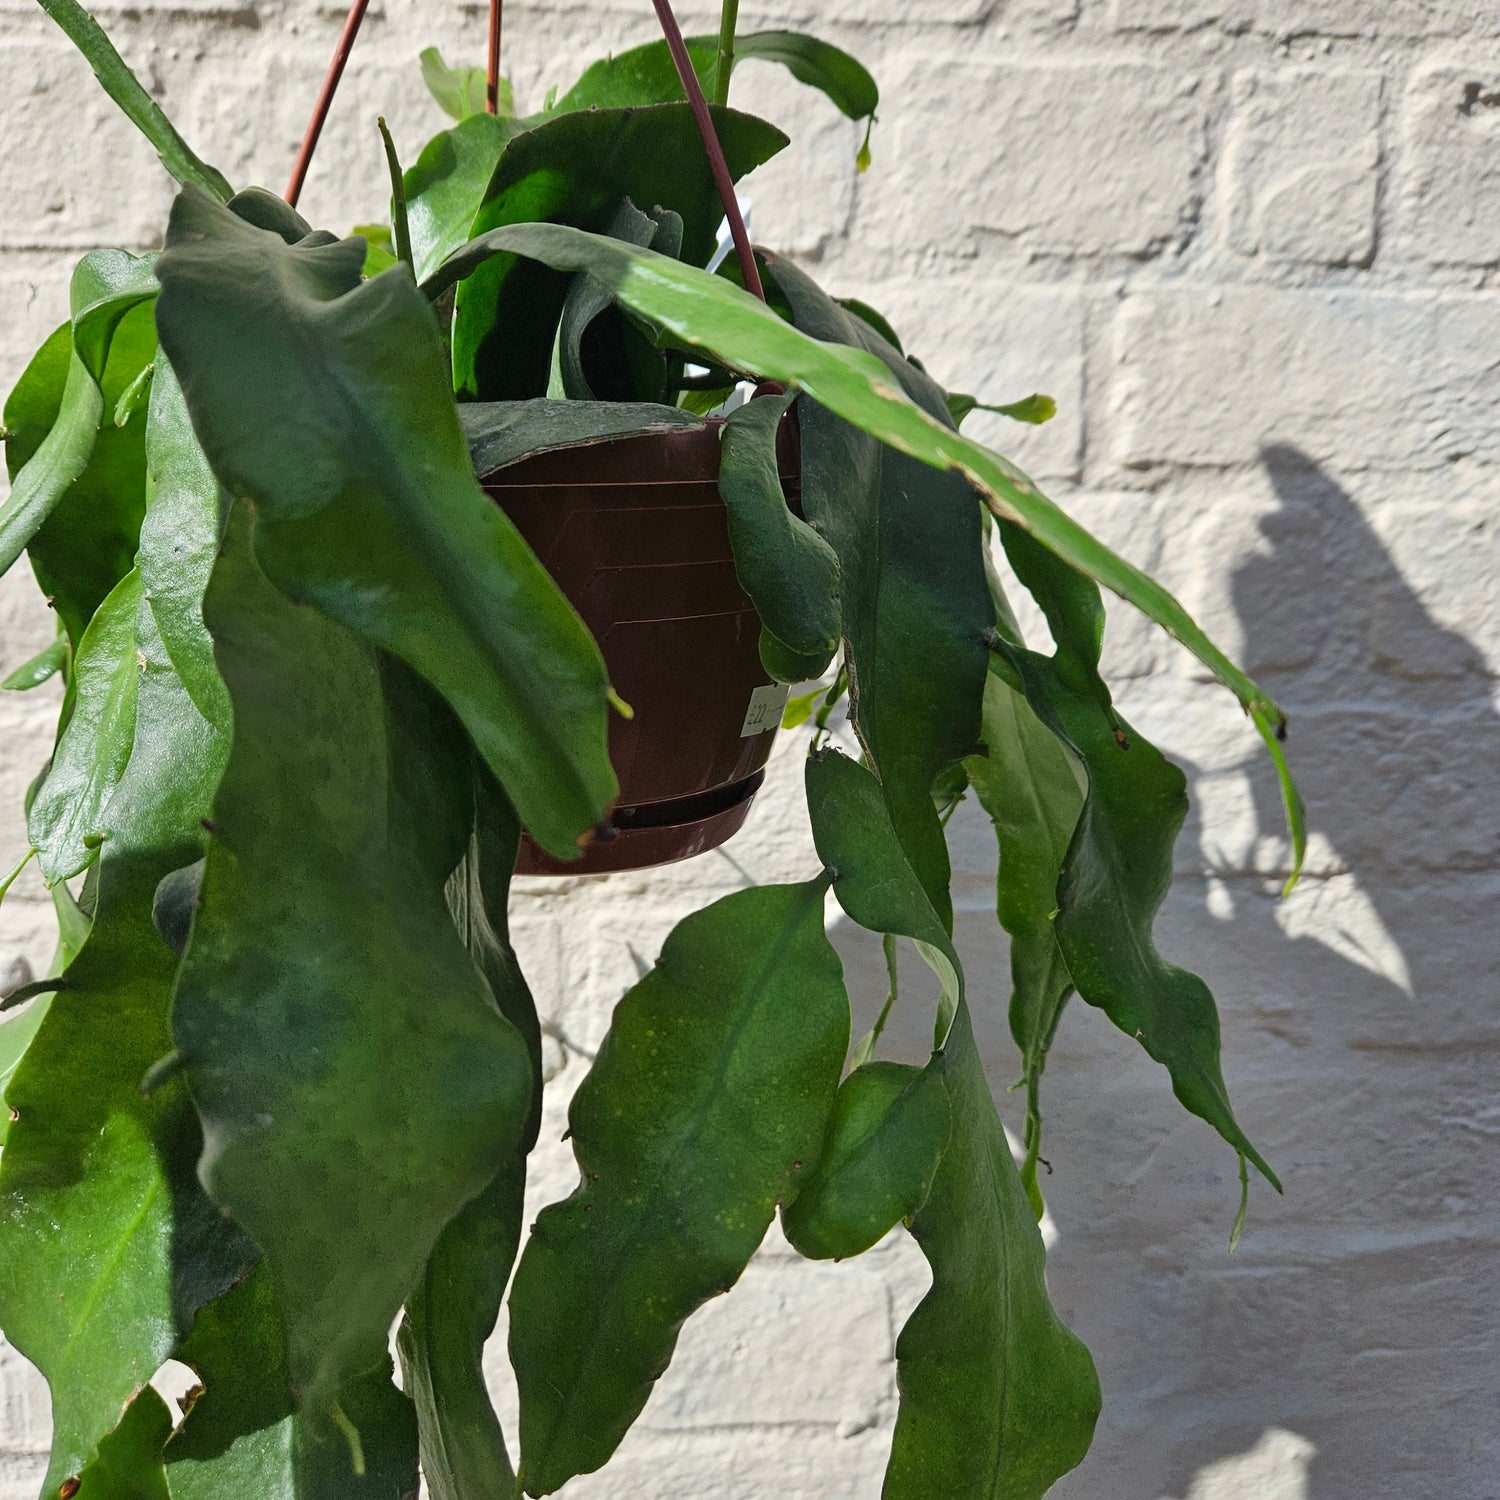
635,533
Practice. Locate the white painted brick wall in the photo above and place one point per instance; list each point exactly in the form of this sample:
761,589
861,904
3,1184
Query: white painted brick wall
1253,247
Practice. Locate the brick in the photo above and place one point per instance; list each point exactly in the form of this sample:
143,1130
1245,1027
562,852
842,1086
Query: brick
33,301
98,183
1300,168
836,1318
25,1410
802,200
1129,140
1182,15
1450,197
1213,376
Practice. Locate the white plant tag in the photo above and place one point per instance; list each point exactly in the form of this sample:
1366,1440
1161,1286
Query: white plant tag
766,704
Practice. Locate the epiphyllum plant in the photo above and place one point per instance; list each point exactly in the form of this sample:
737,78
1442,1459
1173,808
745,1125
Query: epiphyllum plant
279,1091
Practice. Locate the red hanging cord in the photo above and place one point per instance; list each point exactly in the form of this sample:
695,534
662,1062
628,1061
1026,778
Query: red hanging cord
492,63
716,162
325,98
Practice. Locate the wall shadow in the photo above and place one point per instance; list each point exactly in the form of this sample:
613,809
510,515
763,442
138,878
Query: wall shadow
1362,1037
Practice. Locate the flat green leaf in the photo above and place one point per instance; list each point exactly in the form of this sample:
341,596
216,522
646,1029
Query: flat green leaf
707,312
356,1081
639,75
179,540
460,91
889,1130
704,1108
501,432
576,169
998,1398
447,182
129,1464
67,818
110,1245
241,1441
790,573
323,398
125,89
1027,785
42,667
453,1311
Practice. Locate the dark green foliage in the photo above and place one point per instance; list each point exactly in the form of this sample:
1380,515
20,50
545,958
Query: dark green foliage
576,169
366,503
998,1399
790,573
703,1110
280,1084
299,983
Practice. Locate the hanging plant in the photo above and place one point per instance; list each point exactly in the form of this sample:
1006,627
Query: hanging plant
343,537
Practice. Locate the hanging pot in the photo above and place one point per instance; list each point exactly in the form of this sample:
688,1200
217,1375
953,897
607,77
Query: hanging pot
637,537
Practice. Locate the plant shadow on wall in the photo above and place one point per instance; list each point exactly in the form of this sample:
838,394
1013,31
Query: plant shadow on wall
1363,1035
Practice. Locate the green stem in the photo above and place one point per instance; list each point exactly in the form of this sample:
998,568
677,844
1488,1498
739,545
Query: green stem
724,63
398,198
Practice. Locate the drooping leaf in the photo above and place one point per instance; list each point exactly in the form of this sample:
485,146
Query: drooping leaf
81,528
67,818
707,312
705,1107
57,461
646,75
446,185
998,1398
125,89
908,538
129,1465
460,91
595,340
878,887
790,573
334,415
1026,783
42,667
241,1440
110,1244
453,1311
576,169
500,432
356,1081
107,285
1114,879
889,1130
1118,866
